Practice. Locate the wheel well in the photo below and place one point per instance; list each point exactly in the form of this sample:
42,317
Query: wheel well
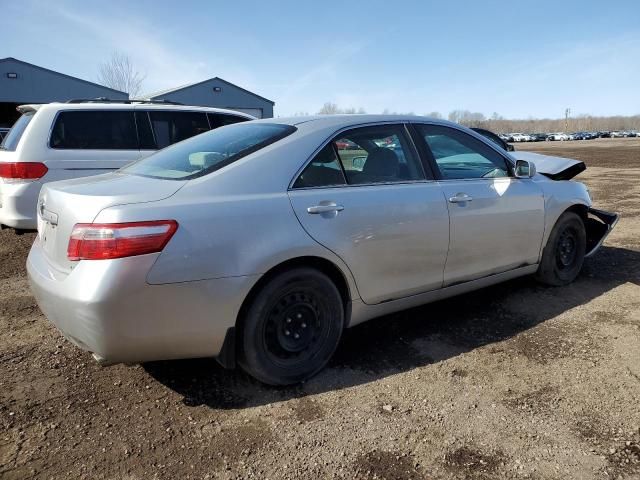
321,264
581,210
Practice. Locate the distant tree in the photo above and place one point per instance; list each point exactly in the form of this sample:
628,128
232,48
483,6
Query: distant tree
465,117
120,73
434,114
331,109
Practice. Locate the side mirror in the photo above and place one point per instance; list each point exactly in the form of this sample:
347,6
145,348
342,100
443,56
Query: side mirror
524,169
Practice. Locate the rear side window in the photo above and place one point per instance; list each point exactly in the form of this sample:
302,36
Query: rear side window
209,152
172,127
323,171
221,119
94,130
377,155
12,138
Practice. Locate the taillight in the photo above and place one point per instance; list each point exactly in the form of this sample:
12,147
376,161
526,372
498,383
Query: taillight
22,170
102,241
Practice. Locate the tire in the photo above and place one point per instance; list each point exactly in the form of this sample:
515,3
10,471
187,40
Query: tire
291,328
563,256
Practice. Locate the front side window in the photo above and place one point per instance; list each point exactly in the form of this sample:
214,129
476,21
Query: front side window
12,138
459,155
209,152
172,127
380,154
94,130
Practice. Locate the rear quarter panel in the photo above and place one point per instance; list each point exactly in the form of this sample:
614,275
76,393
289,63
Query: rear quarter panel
225,236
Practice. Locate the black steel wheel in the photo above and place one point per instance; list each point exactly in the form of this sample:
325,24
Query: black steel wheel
292,327
563,256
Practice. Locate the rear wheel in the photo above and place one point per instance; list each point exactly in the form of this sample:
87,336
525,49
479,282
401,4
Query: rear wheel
563,255
291,328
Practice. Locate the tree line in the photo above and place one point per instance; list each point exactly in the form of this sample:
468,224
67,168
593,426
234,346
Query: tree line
497,123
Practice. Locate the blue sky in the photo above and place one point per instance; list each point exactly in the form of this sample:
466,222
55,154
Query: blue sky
520,59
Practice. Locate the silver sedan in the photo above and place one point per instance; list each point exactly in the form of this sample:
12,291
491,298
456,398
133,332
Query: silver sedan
258,243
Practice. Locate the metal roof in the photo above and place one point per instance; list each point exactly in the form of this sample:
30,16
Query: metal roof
184,87
11,59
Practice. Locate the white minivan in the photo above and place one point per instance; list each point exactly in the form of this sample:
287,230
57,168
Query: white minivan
58,141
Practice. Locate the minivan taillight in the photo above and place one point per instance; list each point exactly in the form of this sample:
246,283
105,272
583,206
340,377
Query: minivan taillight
102,241
22,170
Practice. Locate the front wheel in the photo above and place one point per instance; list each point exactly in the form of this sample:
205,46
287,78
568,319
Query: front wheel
563,255
291,328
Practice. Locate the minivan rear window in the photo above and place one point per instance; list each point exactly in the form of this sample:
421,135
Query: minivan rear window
209,152
12,139
94,130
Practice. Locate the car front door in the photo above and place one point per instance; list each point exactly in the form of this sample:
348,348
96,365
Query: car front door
496,220
365,197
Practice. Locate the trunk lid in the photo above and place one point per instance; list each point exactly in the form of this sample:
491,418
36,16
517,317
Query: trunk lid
556,168
63,204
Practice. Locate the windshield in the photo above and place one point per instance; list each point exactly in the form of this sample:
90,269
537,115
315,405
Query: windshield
208,152
12,138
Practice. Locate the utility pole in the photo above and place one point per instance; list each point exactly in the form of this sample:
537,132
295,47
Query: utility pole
567,112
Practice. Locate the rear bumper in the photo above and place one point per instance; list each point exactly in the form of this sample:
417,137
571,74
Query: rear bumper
18,202
106,307
599,225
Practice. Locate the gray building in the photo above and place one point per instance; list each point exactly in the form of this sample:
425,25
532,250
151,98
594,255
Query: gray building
22,82
219,93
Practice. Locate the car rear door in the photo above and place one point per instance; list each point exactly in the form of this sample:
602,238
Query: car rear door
365,197
496,220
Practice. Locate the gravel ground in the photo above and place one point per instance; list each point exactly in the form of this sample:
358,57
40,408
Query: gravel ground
514,381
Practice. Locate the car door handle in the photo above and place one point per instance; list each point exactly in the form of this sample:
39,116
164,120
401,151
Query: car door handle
325,209
460,197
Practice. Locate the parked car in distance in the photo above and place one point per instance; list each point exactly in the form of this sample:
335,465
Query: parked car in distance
618,134
494,138
260,243
559,136
582,136
58,141
538,137
519,137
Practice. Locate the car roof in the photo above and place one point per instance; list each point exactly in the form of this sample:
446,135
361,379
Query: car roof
128,106
347,120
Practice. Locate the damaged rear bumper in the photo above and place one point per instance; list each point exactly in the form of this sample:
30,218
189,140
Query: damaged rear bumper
598,225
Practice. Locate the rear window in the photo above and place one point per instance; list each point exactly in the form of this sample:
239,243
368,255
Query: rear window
12,138
209,152
94,130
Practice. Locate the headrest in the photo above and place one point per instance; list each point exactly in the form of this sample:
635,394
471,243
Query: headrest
382,162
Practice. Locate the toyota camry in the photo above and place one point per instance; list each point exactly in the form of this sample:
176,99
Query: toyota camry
259,243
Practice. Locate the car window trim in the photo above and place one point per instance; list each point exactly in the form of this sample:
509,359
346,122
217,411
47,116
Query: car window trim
433,164
340,131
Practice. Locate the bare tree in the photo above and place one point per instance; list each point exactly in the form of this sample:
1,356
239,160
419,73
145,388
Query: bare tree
329,109
434,114
120,73
332,109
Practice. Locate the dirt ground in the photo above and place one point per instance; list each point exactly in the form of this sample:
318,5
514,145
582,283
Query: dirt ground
514,381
